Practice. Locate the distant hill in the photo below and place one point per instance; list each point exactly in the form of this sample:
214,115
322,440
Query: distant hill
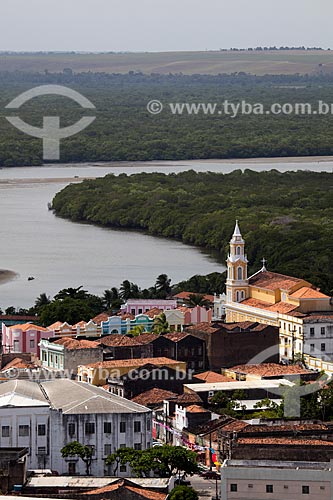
257,62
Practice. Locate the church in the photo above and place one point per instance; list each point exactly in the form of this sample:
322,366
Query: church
303,314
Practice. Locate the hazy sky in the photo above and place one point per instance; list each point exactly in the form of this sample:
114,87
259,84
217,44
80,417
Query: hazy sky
157,25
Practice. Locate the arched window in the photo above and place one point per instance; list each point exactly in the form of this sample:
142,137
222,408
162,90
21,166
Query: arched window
237,296
242,295
239,273
238,250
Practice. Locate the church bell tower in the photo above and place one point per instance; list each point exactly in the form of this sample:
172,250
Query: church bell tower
237,283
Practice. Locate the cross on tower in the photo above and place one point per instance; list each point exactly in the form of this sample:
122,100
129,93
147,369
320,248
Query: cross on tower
264,262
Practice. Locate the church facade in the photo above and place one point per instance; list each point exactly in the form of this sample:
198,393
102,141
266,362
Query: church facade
279,300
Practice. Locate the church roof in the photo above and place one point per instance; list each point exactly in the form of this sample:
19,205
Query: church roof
280,307
273,281
308,293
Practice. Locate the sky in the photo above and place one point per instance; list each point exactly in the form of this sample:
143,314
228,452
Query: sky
162,25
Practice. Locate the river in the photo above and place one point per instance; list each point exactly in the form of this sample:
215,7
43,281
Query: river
60,254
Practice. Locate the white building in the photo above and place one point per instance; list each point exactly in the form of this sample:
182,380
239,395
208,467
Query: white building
318,335
45,416
260,480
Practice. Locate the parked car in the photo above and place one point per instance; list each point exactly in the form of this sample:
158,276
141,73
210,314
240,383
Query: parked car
210,475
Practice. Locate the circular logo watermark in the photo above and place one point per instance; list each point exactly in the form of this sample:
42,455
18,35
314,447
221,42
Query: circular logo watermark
51,133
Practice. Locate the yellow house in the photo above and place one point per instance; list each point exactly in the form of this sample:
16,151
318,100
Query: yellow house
270,298
98,373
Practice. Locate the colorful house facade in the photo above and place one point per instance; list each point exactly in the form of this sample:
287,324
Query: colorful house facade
23,338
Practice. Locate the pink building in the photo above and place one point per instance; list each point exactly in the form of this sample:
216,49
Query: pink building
141,306
23,338
195,315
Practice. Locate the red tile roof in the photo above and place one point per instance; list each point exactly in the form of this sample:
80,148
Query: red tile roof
281,307
115,340
72,344
139,492
189,397
19,363
213,378
153,396
235,426
133,362
28,326
55,326
146,338
16,317
186,295
270,369
176,336
309,293
273,281
261,428
100,317
275,441
153,312
196,409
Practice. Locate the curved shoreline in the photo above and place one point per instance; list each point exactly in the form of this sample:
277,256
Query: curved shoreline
6,276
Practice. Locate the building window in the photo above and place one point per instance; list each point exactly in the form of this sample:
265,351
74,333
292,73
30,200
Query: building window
269,488
32,344
71,429
16,346
238,250
107,428
233,487
322,330
250,486
137,446
323,347
148,424
23,430
305,490
312,332
5,431
44,356
311,347
239,273
107,449
41,450
123,468
122,427
133,312
122,446
90,428
93,448
41,429
71,468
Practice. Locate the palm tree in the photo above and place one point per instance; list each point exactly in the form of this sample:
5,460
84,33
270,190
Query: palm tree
162,284
137,330
160,325
42,300
109,297
197,299
125,290
73,293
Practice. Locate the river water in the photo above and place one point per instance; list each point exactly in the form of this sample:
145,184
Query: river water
61,254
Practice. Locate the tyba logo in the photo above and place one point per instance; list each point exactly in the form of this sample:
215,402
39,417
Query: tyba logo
51,133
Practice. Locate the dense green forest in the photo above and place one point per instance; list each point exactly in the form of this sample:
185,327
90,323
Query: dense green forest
287,218
125,131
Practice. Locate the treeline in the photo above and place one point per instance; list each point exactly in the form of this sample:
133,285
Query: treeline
274,47
285,217
125,131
